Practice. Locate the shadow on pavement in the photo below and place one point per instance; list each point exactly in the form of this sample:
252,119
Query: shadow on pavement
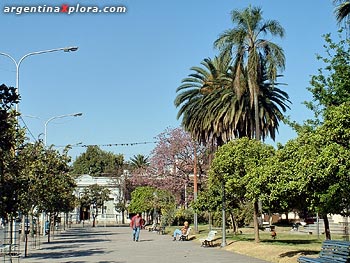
67,254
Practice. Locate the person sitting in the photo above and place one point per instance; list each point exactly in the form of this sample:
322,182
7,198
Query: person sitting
273,234
181,231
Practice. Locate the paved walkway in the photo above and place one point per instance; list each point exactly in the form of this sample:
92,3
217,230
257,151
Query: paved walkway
115,245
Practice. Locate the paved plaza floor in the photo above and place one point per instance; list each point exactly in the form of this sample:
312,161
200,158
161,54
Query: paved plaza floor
115,245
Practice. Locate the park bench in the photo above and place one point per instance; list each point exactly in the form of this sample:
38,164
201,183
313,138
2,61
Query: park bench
9,250
332,251
155,228
208,241
161,230
184,237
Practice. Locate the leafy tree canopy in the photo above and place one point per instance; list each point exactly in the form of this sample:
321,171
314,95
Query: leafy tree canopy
97,162
94,195
331,87
147,198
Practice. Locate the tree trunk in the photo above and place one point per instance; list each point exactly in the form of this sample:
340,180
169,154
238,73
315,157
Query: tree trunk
254,90
93,220
234,223
23,228
123,213
49,229
256,222
256,116
326,227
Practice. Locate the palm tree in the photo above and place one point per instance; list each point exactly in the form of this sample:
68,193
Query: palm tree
215,110
196,96
252,53
342,11
139,162
260,60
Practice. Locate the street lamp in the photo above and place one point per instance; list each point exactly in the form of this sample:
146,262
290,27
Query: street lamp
18,64
58,117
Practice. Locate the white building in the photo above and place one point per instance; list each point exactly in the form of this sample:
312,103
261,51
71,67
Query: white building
109,215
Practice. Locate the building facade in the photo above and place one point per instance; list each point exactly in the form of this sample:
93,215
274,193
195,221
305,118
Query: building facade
108,214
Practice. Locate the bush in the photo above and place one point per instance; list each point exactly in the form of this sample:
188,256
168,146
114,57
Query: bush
182,215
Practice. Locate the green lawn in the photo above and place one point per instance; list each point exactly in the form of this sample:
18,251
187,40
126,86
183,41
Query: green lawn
286,248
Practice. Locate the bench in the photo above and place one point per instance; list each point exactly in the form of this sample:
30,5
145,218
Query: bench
332,251
155,228
10,250
161,230
208,241
184,237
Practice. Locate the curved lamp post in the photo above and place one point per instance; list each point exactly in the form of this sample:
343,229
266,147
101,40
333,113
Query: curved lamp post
19,62
58,117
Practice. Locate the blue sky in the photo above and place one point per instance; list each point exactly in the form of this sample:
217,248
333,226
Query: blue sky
124,76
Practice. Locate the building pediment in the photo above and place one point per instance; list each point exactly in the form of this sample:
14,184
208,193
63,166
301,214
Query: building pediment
86,180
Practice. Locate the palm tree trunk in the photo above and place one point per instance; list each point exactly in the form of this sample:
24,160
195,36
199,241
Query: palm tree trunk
256,116
254,90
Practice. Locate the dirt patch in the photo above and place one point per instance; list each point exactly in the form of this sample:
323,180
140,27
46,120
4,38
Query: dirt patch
268,252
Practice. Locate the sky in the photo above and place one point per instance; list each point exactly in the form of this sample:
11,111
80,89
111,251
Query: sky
123,77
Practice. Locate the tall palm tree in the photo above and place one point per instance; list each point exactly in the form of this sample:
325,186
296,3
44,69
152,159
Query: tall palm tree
252,53
259,58
342,10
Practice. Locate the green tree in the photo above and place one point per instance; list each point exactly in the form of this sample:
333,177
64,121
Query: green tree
141,199
139,162
94,196
252,53
97,162
197,95
150,200
46,185
216,107
311,171
330,87
235,166
314,164
11,137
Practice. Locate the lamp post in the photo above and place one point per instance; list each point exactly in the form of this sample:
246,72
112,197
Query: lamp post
195,188
223,242
45,138
58,117
19,62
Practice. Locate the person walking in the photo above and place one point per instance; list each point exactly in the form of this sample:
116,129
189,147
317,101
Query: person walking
136,225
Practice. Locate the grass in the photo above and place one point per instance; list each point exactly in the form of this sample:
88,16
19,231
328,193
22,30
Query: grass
286,248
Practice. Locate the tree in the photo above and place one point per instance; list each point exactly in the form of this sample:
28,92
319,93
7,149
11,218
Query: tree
151,201
45,183
234,166
216,111
141,199
197,95
311,171
94,196
171,164
173,159
342,10
97,162
11,136
252,54
139,162
330,87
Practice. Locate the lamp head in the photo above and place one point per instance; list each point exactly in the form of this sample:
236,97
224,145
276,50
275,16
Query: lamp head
78,114
70,49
